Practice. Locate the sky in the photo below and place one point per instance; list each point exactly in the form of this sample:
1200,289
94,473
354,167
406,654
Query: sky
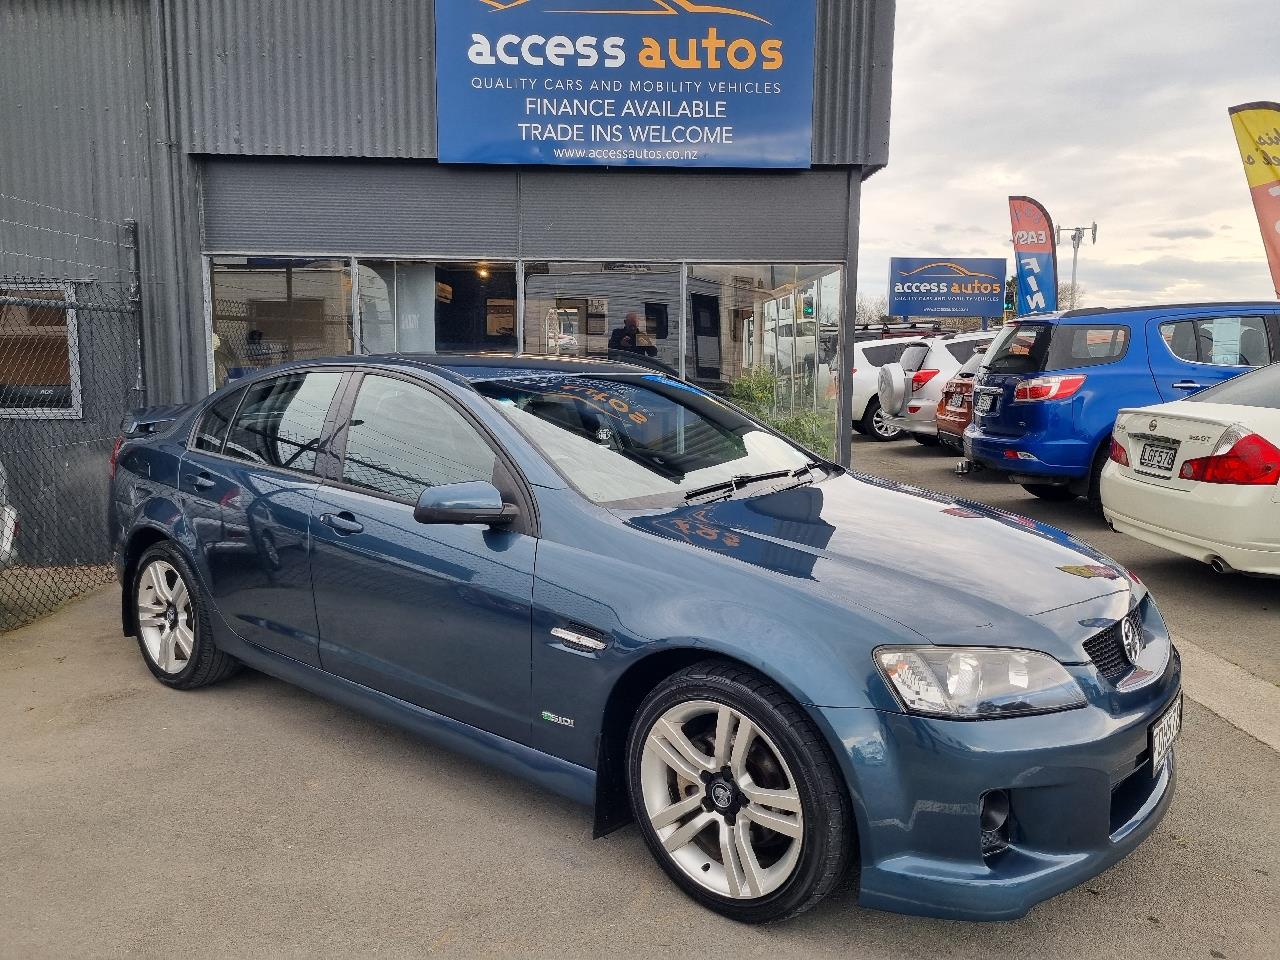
1106,110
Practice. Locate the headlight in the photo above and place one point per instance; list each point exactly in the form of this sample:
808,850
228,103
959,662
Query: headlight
975,683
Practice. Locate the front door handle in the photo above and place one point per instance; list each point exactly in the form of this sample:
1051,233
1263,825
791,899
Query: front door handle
202,481
1188,385
344,524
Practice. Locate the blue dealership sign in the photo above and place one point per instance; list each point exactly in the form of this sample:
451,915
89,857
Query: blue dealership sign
924,287
671,83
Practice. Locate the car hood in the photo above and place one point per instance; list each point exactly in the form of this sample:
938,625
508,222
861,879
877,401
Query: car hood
954,571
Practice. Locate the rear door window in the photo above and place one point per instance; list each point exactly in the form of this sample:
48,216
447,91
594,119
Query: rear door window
883,353
281,422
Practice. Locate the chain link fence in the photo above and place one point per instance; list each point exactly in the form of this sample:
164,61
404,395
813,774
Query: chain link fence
69,371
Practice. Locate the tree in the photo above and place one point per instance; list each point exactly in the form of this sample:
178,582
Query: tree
872,310
1071,297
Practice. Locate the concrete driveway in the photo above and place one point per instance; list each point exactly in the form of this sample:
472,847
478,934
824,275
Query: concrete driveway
253,819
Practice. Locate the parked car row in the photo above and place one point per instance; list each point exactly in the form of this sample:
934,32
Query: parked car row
1127,407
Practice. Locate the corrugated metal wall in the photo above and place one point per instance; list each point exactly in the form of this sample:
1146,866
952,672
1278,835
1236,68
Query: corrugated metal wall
355,78
306,78
426,210
73,131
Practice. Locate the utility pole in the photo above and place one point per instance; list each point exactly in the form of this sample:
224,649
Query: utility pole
1077,238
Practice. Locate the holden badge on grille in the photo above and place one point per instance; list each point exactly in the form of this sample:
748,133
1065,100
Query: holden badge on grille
1131,636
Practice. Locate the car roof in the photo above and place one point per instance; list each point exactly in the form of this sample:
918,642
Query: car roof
1094,313
470,367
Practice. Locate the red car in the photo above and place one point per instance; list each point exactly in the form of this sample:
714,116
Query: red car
955,409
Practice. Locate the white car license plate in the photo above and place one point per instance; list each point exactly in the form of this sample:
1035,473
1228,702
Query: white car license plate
1158,456
1163,732
984,402
955,401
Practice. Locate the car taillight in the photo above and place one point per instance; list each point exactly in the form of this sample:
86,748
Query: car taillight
1118,453
920,378
1049,388
1240,458
115,457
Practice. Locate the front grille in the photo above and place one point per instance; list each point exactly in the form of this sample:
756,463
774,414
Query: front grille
1106,650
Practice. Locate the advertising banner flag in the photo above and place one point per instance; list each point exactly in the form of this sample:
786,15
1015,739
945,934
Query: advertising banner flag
924,287
666,83
1257,127
1035,249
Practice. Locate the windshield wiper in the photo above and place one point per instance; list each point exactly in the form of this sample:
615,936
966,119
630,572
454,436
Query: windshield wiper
734,484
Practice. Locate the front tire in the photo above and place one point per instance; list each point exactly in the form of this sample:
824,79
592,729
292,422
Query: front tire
172,619
737,795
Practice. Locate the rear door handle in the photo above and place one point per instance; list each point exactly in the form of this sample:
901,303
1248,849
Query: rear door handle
344,524
1188,385
202,481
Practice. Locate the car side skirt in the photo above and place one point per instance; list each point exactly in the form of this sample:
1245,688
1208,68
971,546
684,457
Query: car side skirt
567,779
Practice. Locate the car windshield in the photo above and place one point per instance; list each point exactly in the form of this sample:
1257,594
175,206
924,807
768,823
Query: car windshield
642,441
1259,388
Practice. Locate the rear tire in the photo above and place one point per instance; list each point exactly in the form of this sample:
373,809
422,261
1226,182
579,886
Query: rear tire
1049,491
875,424
172,622
924,439
715,754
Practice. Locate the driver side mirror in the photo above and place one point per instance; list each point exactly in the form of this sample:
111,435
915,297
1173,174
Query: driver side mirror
475,502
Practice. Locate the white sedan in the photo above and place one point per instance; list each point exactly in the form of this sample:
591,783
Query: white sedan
1201,476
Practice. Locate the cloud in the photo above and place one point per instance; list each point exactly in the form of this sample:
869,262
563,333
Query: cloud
1099,109
1183,233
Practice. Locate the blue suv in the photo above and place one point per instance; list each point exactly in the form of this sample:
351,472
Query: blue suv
1050,387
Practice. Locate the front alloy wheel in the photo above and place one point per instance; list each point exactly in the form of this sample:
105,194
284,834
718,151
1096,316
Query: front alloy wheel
722,801
737,794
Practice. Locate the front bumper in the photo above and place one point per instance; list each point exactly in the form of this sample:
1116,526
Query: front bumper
1082,791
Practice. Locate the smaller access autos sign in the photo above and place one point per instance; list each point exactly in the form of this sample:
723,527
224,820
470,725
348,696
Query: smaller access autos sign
924,287
669,83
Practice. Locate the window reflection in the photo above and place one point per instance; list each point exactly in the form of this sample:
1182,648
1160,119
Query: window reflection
417,307
620,311
267,310
768,336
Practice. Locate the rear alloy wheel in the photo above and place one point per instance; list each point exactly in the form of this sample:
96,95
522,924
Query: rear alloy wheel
1049,491
875,423
737,795
173,624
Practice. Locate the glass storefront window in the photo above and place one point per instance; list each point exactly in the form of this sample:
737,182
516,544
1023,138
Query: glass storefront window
413,306
768,336
622,311
267,310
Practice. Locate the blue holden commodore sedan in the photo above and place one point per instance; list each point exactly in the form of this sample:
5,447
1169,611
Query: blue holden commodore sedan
618,586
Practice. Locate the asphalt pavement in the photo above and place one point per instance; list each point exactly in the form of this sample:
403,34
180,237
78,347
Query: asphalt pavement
254,819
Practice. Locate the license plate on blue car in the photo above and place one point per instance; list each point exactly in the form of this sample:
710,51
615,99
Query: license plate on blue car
984,402
1163,732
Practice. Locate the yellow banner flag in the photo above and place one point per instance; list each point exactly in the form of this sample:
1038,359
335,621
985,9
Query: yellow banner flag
1257,127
